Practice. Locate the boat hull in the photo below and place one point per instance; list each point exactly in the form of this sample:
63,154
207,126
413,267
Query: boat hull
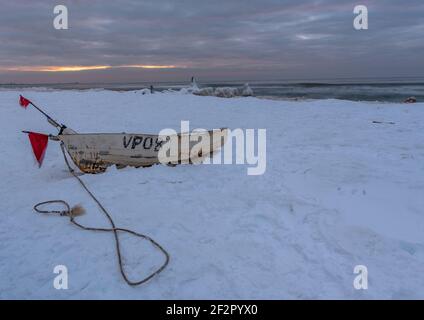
93,153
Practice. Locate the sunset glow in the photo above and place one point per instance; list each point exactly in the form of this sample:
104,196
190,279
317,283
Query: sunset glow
148,66
80,68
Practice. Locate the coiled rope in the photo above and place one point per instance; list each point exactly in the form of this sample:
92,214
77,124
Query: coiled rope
71,213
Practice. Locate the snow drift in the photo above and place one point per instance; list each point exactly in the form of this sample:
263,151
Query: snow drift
339,191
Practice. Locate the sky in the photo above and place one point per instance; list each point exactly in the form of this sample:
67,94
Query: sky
162,40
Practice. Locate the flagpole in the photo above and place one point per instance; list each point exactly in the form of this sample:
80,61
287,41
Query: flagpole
45,114
25,102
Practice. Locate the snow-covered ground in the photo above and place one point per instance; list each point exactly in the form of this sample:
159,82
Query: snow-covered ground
338,191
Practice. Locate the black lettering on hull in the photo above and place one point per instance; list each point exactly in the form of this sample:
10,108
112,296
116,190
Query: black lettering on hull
126,144
148,143
136,141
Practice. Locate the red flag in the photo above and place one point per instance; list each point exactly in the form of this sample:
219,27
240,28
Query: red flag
24,102
39,145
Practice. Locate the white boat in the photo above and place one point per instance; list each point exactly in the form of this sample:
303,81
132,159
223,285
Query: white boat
94,152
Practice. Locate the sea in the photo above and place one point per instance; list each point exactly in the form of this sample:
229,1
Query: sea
354,89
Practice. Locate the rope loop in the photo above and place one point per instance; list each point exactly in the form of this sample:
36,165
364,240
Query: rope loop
62,213
71,212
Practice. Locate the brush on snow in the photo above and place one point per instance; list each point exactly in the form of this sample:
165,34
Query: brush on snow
77,210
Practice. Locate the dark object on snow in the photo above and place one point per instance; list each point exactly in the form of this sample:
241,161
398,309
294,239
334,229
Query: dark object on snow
383,122
411,100
151,89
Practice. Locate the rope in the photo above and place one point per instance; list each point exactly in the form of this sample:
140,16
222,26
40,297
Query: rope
71,213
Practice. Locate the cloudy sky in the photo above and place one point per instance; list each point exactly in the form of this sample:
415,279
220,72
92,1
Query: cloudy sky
168,40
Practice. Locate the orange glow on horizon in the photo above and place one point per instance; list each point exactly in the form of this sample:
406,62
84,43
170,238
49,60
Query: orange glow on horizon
54,68
148,66
81,68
